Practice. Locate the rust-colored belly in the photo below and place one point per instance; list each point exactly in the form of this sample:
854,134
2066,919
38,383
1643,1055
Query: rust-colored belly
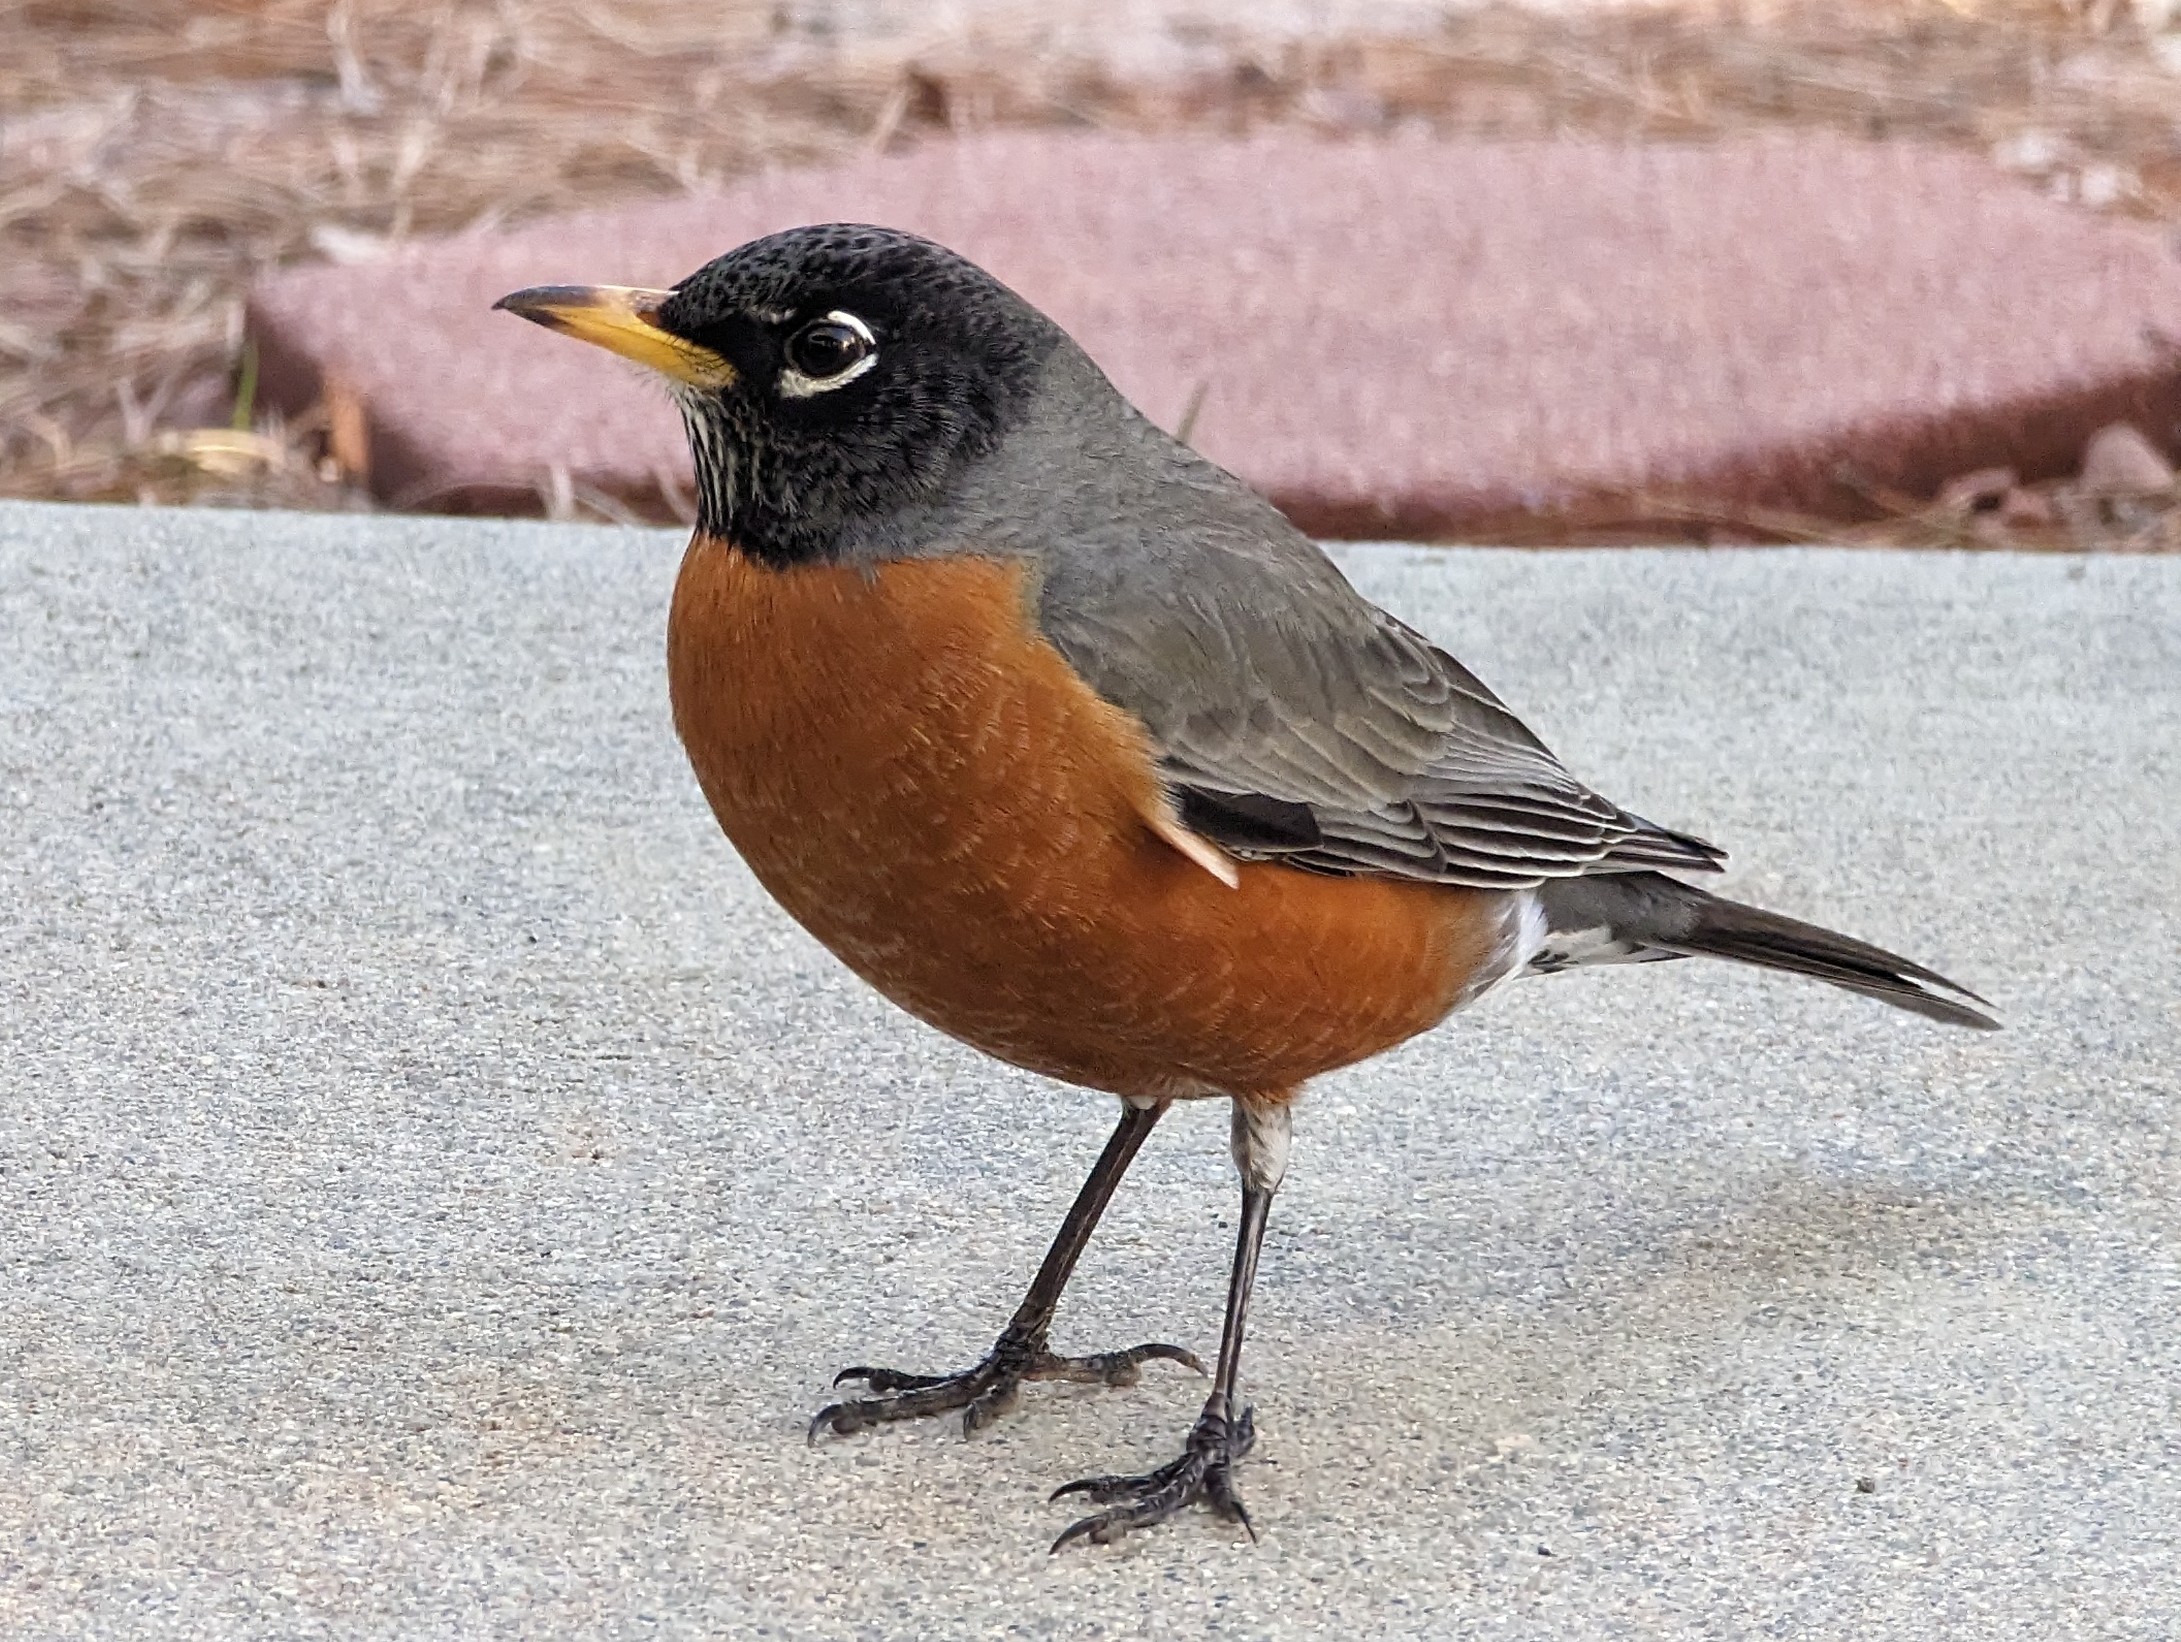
928,788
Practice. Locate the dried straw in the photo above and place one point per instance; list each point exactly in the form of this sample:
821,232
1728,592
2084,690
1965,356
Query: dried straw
156,155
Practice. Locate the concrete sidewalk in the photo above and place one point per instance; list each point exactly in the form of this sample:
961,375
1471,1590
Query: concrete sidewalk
436,1187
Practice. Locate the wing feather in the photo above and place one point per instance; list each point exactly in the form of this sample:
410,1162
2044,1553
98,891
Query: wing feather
1293,719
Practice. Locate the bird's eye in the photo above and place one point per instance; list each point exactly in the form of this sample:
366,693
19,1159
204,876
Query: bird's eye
826,353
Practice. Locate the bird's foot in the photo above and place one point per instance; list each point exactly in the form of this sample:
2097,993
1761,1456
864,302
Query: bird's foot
985,1392
1204,1472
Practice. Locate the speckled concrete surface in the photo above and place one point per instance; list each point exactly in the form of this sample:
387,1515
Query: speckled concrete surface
435,1187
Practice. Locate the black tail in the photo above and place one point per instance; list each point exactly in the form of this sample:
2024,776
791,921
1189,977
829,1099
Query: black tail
1627,916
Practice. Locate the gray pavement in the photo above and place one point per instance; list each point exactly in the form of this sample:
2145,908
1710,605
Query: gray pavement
435,1186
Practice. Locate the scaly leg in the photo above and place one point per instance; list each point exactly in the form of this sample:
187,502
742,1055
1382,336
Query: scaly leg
994,1386
1224,1432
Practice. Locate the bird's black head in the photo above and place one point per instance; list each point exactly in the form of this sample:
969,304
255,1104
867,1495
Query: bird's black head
828,376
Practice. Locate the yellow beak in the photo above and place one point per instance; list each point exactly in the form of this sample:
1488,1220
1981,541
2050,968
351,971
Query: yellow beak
624,319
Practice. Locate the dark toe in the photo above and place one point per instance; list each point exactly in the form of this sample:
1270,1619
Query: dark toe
1153,1506
1225,1503
1204,1472
998,1399
930,1395
1105,1490
889,1379
983,1393
1112,1367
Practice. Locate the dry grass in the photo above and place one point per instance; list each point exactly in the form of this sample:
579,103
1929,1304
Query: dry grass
155,155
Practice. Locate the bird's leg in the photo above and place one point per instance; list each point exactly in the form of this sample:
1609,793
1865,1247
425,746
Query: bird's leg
993,1387
1224,1432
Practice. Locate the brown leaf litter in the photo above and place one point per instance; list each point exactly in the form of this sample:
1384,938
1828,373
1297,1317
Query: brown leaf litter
156,155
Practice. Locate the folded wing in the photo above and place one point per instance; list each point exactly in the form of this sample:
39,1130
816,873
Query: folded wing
1296,721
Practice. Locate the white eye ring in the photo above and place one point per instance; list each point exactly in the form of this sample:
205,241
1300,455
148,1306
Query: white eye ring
795,385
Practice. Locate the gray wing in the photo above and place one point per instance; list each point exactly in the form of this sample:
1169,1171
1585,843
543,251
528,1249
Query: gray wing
1297,721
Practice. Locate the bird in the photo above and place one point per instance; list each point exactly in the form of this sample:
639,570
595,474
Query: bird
1069,743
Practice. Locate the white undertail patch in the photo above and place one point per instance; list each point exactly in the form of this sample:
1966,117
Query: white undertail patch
1581,948
1522,932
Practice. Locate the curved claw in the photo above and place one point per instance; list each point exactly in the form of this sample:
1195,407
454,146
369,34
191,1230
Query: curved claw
1100,1489
1114,1486
998,1398
1096,1528
1116,1522
843,1419
890,1379
1204,1472
1226,1504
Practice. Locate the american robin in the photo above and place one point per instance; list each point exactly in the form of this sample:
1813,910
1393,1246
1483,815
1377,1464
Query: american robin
1066,741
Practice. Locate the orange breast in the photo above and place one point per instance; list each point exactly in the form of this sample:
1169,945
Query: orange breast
925,785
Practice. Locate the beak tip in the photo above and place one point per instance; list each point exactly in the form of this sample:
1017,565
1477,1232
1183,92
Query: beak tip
622,319
531,303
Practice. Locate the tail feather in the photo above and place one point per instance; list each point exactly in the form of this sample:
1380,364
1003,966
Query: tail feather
1636,915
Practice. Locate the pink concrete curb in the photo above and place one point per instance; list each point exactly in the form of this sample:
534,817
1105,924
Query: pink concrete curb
1408,337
